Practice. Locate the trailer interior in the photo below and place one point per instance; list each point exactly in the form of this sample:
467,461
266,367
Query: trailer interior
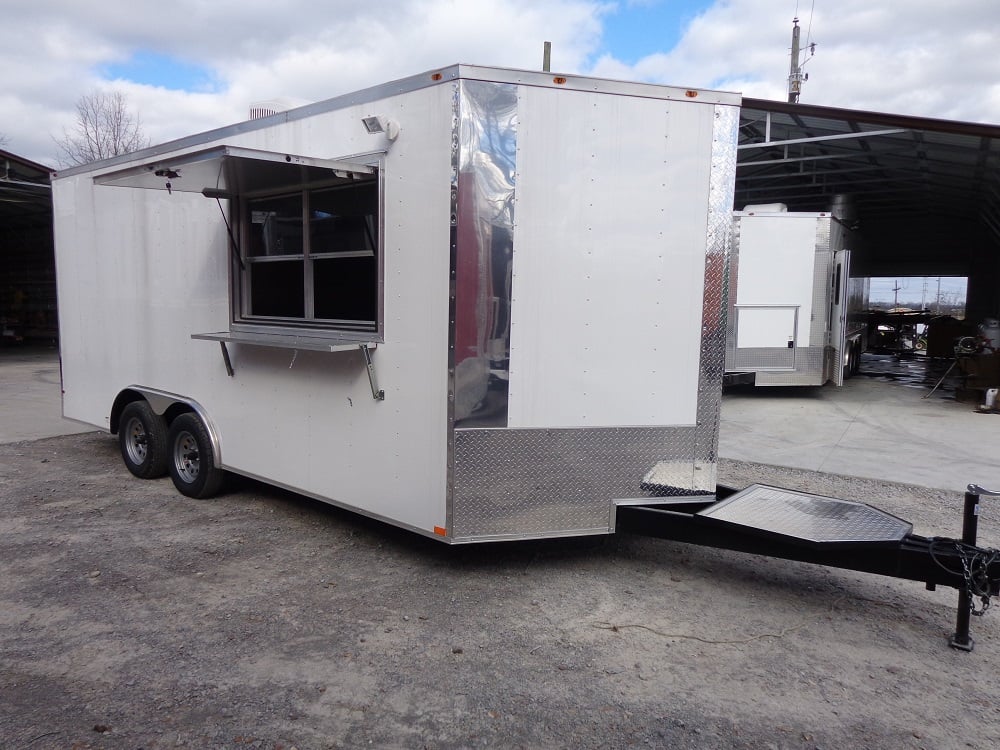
27,267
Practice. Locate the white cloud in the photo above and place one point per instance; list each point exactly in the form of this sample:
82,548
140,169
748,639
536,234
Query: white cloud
919,57
259,49
908,56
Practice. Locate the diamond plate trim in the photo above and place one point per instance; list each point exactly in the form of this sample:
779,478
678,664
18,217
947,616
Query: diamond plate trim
540,482
770,358
821,284
715,305
804,516
804,368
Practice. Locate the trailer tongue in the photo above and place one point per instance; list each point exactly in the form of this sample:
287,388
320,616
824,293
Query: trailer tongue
812,528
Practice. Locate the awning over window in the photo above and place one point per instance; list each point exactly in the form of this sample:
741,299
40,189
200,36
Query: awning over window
227,171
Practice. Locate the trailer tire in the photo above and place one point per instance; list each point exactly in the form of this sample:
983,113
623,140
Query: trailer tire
855,358
190,458
142,439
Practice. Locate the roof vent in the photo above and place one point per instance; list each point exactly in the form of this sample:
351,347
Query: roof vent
270,107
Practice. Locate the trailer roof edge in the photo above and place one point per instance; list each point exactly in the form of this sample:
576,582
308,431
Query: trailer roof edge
426,79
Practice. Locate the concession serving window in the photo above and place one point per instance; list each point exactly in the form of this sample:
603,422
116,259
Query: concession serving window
305,242
304,233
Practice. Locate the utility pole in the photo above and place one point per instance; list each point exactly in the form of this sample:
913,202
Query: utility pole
795,72
547,57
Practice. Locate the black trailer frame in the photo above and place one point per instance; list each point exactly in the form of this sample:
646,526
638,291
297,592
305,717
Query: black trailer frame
800,526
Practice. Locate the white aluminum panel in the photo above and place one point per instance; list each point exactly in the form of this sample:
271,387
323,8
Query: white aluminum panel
764,327
139,271
777,255
609,262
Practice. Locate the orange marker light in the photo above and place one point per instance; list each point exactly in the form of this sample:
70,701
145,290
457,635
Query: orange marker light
690,94
440,531
559,79
435,76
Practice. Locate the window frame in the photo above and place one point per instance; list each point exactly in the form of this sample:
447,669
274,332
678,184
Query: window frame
242,319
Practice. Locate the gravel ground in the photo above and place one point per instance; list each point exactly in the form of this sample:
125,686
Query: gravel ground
132,617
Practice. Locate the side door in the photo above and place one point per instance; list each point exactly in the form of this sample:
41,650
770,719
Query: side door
837,352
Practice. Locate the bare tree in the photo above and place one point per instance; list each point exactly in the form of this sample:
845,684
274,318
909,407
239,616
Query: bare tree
105,127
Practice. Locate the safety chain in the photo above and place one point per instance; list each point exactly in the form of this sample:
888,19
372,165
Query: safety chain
975,568
975,571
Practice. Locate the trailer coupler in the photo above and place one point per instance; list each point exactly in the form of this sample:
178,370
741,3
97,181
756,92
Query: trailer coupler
827,531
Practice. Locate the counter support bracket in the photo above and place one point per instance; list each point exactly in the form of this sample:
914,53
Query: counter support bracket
226,359
377,393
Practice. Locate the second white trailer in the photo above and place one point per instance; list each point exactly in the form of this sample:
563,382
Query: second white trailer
796,314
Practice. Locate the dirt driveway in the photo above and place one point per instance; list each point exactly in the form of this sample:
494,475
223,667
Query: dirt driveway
132,617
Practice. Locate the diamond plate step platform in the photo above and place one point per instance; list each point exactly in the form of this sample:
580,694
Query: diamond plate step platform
806,519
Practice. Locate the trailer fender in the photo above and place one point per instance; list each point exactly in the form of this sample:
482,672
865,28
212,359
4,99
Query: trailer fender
169,406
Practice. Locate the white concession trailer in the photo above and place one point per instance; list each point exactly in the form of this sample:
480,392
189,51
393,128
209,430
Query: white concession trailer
477,303
796,313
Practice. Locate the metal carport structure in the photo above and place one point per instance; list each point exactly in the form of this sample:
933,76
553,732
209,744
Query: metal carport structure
925,192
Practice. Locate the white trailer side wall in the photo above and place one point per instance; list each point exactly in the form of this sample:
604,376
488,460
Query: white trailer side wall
139,271
609,260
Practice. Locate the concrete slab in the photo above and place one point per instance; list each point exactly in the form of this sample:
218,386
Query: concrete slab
30,398
877,427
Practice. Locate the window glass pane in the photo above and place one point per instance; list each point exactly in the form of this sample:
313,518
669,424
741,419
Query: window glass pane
277,288
345,288
275,226
328,279
342,220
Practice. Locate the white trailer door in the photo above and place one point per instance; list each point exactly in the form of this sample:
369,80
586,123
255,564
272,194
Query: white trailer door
837,335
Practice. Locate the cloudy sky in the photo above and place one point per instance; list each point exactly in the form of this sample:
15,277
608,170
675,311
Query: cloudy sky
191,65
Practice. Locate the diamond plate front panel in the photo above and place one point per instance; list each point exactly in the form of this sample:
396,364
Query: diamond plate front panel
807,365
807,517
772,358
526,483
